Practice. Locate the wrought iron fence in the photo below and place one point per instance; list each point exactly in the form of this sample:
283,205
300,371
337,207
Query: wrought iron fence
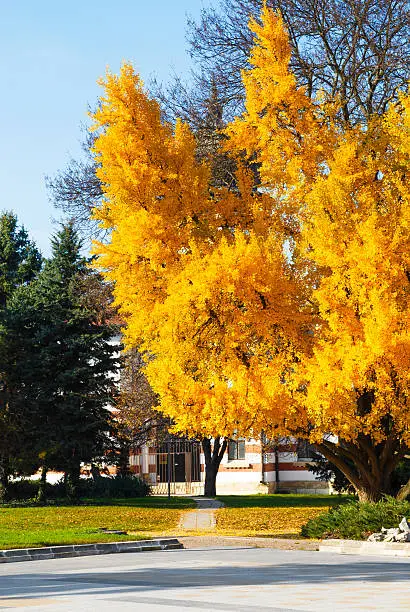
174,466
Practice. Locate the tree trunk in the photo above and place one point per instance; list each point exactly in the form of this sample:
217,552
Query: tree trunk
73,481
277,479
95,472
41,494
366,465
210,481
213,457
404,492
369,495
123,467
4,479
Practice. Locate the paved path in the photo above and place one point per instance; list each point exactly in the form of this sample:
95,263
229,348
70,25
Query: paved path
221,580
203,518
211,541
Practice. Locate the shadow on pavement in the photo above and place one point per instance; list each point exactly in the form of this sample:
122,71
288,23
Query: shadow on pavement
149,579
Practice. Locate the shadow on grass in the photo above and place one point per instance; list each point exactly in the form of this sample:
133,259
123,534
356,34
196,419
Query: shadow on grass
178,503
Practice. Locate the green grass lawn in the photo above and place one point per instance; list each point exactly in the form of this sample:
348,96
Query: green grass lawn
146,517
271,515
243,515
179,503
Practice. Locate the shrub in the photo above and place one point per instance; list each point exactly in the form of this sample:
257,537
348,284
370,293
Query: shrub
25,489
22,489
104,486
114,486
357,520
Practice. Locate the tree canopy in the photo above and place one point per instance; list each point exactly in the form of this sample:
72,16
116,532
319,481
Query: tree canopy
282,307
356,49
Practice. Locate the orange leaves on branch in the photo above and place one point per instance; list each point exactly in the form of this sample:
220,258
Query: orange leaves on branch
280,306
226,322
281,122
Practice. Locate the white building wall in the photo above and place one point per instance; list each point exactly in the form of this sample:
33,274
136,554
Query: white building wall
291,475
238,483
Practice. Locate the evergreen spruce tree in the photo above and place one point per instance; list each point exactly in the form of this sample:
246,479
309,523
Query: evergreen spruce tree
20,262
75,363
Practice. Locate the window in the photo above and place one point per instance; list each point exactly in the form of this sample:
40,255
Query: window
236,449
305,450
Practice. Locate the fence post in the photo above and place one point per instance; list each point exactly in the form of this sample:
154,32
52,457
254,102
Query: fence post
169,467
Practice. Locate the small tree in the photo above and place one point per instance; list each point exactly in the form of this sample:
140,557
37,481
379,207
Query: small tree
136,419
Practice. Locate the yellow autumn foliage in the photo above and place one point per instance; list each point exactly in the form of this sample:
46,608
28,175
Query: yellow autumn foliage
283,308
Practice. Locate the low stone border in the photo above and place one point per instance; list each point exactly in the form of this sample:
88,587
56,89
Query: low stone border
357,547
80,550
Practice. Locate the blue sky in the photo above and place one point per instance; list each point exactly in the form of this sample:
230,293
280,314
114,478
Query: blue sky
51,55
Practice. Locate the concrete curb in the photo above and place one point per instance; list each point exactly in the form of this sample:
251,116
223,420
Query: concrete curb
357,547
80,550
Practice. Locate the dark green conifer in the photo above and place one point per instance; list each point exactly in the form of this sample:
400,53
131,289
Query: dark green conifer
78,359
20,262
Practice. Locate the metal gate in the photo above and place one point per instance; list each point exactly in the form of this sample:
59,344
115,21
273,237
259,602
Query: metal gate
178,468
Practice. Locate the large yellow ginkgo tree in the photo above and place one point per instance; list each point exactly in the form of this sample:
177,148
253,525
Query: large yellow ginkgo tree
282,303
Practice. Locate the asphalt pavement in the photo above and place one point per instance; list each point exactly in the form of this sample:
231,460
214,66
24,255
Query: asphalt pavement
217,579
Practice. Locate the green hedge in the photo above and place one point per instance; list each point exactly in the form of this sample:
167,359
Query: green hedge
114,486
23,490
357,520
104,486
